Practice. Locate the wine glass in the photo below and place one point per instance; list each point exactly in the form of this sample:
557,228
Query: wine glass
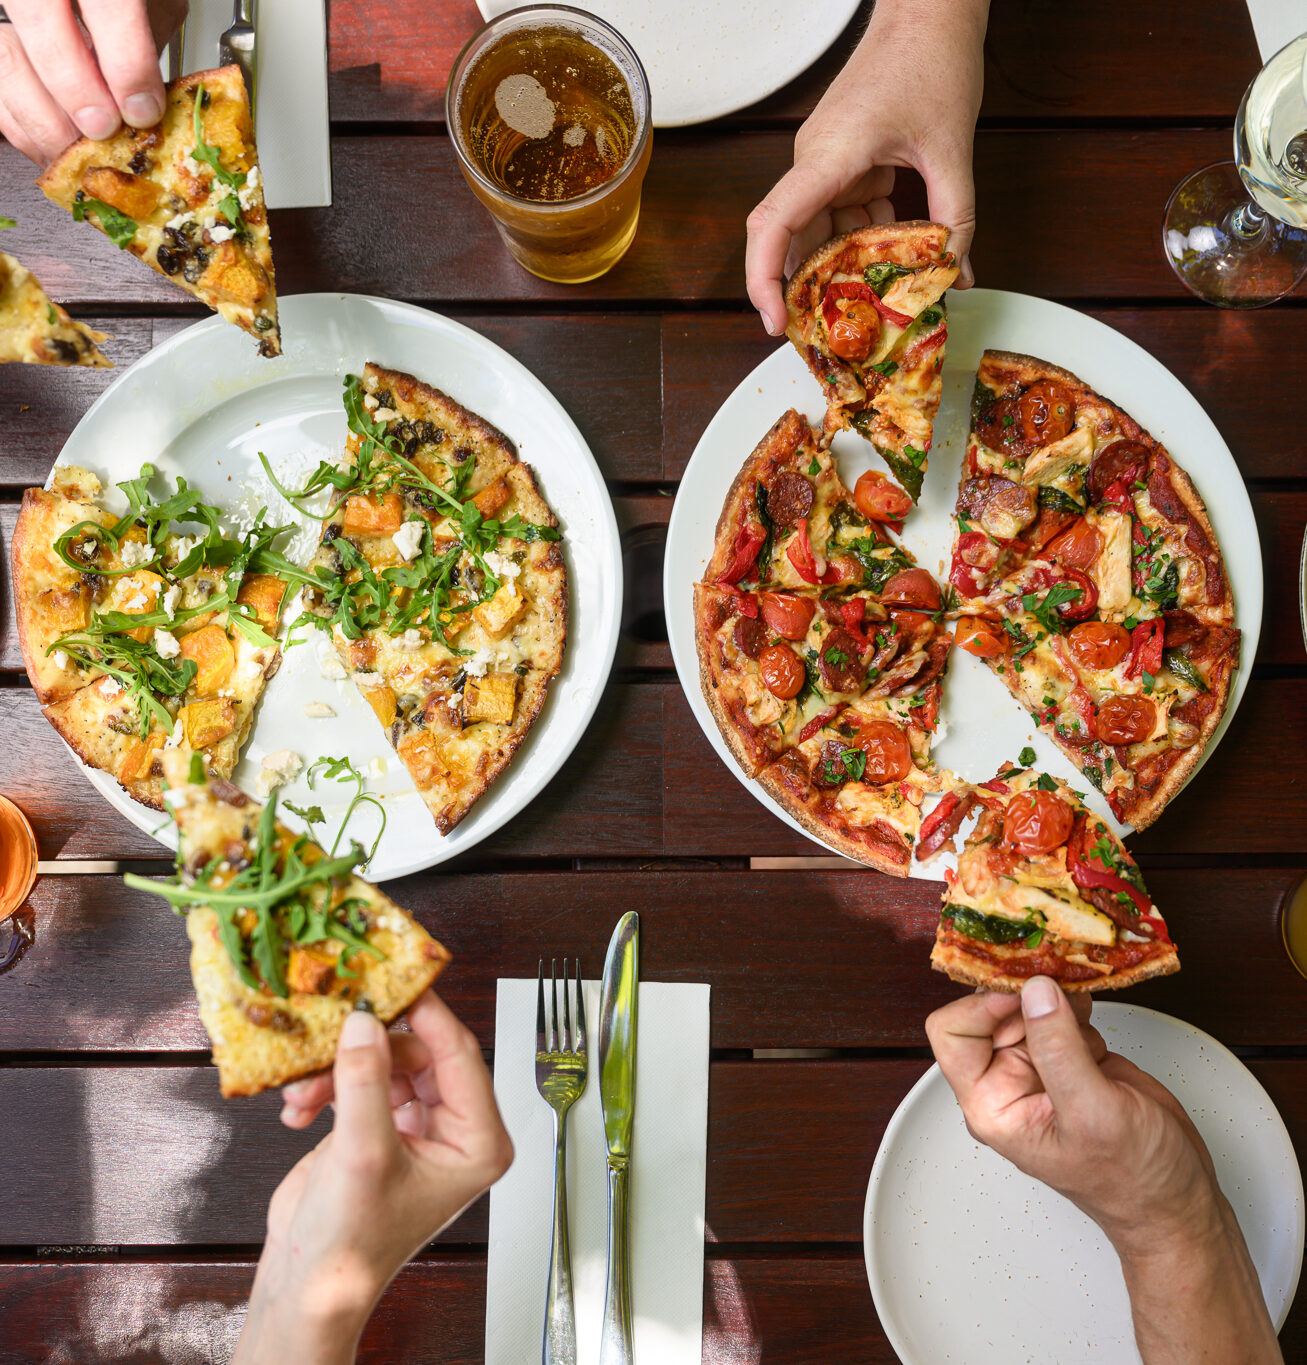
1236,232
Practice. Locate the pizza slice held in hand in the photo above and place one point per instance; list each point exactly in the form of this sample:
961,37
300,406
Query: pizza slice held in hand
1042,888
866,313
34,331
285,939
186,197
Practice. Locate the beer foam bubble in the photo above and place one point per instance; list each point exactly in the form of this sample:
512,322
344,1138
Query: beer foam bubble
523,105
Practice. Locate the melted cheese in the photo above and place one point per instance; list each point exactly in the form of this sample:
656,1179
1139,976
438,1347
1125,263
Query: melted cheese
1050,463
1112,570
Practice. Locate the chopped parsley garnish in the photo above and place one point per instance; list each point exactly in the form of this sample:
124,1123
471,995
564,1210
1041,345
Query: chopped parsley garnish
1044,609
814,468
855,763
885,367
837,658
7,222
1046,783
1026,757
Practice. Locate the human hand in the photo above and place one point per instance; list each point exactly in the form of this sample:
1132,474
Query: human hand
1037,1084
908,96
417,1138
62,77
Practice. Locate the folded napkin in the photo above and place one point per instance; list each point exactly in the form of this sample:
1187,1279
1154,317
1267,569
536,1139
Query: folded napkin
292,120
1275,23
668,1166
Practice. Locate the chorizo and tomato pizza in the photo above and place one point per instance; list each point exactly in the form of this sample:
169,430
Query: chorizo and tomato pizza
1042,887
822,646
1090,580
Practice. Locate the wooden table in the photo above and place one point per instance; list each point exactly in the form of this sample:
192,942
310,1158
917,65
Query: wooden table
132,1206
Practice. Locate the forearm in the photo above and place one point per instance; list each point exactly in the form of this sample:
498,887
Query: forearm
318,1322
1195,1296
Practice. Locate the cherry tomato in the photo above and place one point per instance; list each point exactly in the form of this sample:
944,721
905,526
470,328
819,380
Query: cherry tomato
985,639
1078,546
1037,822
878,499
912,588
910,621
787,615
1098,644
782,671
850,340
1125,720
889,755
1046,411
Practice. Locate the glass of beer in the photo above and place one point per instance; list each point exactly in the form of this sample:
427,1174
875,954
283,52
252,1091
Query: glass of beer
548,109
1293,925
17,857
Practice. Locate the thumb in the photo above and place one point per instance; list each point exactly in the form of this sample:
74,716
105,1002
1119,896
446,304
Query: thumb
1058,1050
951,194
362,1078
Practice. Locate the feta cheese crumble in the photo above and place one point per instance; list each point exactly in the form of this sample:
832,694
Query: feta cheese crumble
170,600
410,641
318,710
135,552
408,539
166,644
59,659
501,566
276,770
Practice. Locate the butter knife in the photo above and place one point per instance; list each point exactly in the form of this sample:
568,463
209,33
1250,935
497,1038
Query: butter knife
617,1024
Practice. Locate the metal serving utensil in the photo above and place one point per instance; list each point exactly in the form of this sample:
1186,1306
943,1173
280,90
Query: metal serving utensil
237,45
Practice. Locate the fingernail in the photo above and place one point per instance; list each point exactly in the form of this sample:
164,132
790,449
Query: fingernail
968,275
96,123
142,111
361,1030
1039,997
772,329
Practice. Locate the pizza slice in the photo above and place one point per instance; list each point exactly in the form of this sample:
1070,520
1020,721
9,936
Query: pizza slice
1042,888
34,331
866,312
440,580
136,636
285,939
1089,579
186,196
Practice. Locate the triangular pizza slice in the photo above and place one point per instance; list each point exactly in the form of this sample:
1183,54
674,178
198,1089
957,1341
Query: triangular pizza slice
186,196
35,331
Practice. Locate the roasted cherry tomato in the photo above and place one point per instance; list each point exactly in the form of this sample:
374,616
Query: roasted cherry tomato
878,499
1125,720
1078,546
889,755
1098,644
787,615
1047,412
854,334
782,671
985,639
911,588
1037,822
910,621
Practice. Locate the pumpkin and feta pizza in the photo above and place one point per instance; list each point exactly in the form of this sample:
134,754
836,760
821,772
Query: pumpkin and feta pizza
137,636
285,938
35,331
1042,888
1089,578
186,197
866,312
440,581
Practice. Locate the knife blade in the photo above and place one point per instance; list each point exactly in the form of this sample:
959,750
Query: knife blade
617,1034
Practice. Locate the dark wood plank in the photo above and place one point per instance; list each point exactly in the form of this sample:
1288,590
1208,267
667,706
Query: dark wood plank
690,246
811,958
616,769
1123,64
758,1310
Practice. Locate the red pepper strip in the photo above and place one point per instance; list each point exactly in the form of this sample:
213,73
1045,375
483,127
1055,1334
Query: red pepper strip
849,289
995,785
852,614
822,718
1082,607
800,553
743,553
1085,873
1146,648
927,344
889,314
943,823
1117,495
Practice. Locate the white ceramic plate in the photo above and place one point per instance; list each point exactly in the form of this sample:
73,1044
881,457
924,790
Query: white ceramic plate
982,725
970,1260
204,405
702,61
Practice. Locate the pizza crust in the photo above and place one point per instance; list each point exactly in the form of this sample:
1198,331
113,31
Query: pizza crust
961,966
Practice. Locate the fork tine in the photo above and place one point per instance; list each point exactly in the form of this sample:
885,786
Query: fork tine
580,1012
553,1018
567,1014
540,1007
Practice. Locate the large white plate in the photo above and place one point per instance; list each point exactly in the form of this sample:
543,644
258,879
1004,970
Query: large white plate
707,59
204,405
970,1260
982,725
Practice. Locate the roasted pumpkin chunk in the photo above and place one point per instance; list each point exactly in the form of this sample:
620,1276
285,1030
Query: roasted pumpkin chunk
206,722
214,657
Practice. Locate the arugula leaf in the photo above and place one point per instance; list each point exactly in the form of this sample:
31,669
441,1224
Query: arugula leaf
311,815
230,208
117,227
342,770
206,152
7,222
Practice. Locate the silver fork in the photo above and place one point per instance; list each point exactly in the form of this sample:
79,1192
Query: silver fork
560,1078
237,45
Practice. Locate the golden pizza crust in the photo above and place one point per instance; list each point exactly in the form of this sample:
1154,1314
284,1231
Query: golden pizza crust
713,680
959,965
35,331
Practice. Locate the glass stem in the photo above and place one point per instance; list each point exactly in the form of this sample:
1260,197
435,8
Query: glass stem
1247,220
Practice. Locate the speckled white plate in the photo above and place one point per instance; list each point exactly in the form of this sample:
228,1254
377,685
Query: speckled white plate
204,405
707,60
973,1262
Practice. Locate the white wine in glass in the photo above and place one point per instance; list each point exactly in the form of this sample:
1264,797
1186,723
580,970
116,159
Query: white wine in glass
1236,232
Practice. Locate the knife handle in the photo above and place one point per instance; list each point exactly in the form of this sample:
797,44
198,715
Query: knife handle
618,1346
559,1347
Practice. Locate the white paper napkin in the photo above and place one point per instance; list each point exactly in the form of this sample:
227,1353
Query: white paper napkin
292,119
669,1160
1275,23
